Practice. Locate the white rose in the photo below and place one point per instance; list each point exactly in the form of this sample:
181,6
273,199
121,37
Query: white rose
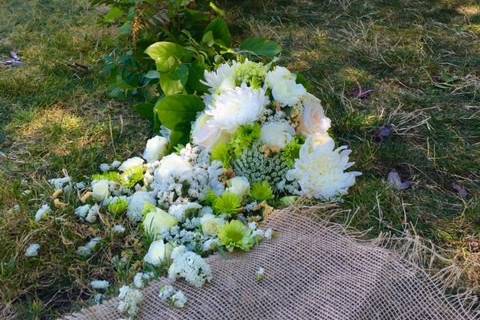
205,133
100,190
284,87
211,224
239,185
131,163
158,252
157,222
313,120
155,148
277,134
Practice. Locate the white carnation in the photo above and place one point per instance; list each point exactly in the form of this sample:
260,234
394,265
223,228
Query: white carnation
239,106
239,185
100,190
131,163
155,148
320,169
277,134
222,78
136,204
284,87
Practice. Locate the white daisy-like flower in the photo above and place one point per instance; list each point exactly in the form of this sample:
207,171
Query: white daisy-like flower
136,204
221,78
284,87
32,250
178,299
100,190
131,163
320,169
239,186
100,284
42,212
277,134
239,106
190,266
155,149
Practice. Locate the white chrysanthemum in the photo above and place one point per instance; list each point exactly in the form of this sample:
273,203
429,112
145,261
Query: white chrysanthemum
172,166
206,133
221,78
211,224
236,107
320,169
155,148
131,163
277,134
158,252
42,212
239,186
189,265
284,87
100,190
100,284
313,120
32,250
136,204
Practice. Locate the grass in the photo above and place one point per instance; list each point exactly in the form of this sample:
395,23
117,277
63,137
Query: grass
420,58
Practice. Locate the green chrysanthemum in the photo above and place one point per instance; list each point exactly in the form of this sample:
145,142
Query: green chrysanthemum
257,167
118,206
132,176
228,204
113,176
235,235
261,191
221,152
292,151
244,138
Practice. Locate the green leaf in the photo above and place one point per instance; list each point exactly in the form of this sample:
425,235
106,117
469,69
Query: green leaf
220,32
196,73
168,55
113,15
145,110
152,74
174,82
261,47
177,112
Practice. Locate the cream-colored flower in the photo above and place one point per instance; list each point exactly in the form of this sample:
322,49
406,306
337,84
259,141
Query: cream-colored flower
211,224
285,89
236,107
158,253
239,186
277,134
100,190
320,169
155,148
157,222
313,120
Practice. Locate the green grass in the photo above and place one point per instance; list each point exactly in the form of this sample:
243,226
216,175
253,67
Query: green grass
421,58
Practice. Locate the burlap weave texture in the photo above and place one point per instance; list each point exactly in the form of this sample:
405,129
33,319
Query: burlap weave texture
312,271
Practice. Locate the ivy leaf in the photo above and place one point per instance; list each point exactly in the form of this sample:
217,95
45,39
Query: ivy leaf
177,112
261,47
168,55
220,32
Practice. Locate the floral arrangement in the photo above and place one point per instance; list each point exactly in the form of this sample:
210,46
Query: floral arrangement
261,140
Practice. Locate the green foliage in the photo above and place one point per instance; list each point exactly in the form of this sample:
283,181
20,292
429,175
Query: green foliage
177,113
292,151
228,203
261,191
235,235
118,206
260,47
244,138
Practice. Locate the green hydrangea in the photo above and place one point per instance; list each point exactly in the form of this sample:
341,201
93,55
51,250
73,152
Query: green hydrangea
235,235
228,203
261,191
257,167
244,138
118,206
252,73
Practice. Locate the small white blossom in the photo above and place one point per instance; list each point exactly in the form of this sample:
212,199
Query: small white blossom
210,244
131,163
118,229
82,211
115,164
277,134
155,148
260,274
130,300
32,250
92,214
179,211
100,190
87,249
178,299
136,204
211,224
42,212
166,292
100,284
59,183
104,167
189,265
157,253
268,234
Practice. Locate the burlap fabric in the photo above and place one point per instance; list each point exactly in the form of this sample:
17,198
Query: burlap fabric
312,271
